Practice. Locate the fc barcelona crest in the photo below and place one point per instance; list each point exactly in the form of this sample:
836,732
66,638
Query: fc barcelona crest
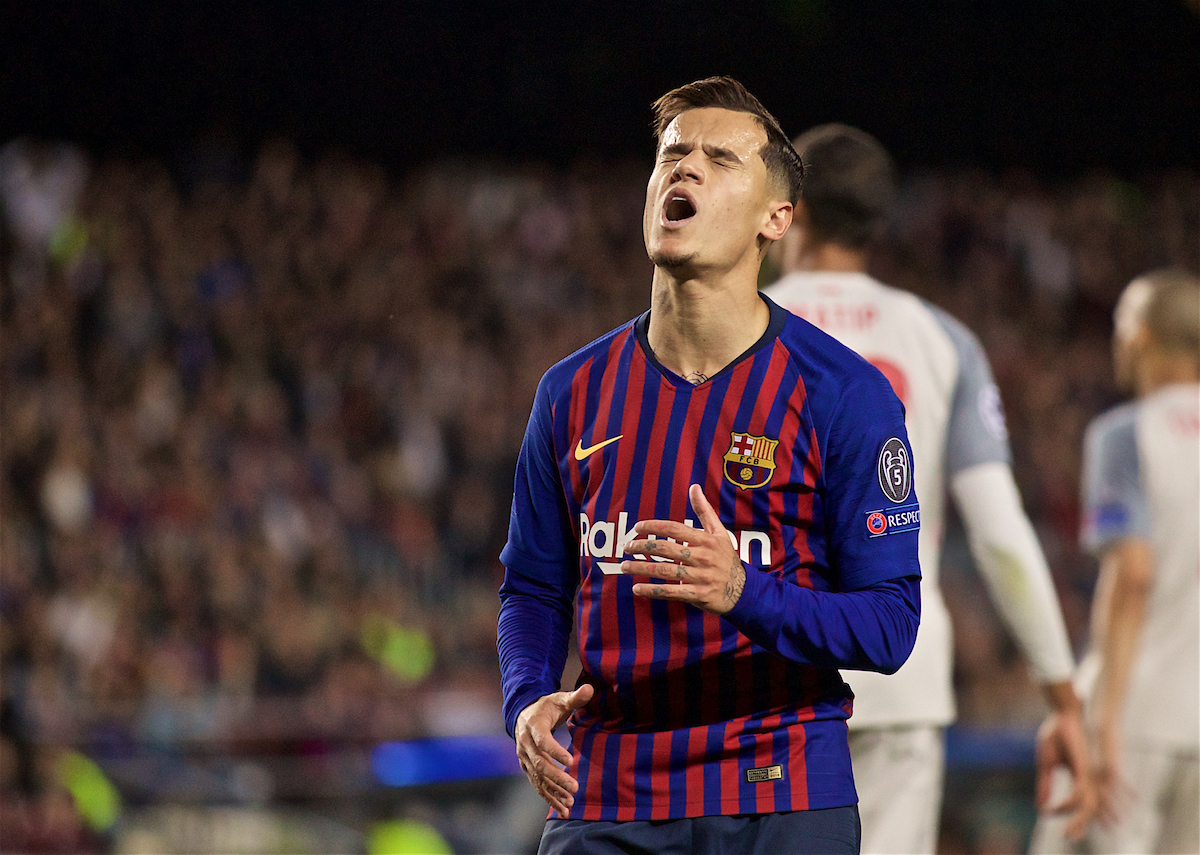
750,460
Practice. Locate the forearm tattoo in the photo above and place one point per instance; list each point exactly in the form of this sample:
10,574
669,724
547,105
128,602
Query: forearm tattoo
735,584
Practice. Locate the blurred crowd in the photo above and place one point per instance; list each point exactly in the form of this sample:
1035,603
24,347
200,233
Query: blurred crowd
259,420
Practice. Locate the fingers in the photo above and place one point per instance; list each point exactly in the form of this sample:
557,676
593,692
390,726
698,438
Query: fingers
1083,803
655,571
1078,825
568,703
580,697
560,803
654,591
547,745
665,528
551,779
673,555
1067,805
540,755
705,511
1085,795
550,782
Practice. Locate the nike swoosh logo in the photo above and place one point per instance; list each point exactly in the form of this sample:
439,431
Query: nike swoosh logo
581,453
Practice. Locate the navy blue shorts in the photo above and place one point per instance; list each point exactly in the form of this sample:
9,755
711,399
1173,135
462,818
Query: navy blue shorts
834,831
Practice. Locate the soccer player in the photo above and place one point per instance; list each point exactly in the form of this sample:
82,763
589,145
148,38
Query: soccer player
1141,498
721,496
956,426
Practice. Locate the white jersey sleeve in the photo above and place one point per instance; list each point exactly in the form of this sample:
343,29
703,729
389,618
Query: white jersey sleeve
1013,567
1114,501
1002,540
977,432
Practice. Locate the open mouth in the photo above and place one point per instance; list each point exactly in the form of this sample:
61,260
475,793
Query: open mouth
678,209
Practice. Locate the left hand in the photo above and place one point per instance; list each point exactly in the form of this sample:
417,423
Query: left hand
1114,791
709,572
1062,741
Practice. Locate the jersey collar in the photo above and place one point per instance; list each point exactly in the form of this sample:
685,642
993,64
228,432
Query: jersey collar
774,328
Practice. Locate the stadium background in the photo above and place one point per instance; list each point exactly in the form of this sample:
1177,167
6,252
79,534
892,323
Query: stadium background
274,310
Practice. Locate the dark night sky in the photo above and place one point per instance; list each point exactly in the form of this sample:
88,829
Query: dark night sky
1058,87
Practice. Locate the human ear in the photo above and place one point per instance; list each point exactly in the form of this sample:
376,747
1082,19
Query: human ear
779,217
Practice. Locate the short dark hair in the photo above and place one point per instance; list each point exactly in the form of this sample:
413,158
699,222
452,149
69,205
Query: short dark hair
850,184
782,162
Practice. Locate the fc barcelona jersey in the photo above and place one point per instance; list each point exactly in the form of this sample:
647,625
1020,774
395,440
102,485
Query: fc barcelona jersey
800,446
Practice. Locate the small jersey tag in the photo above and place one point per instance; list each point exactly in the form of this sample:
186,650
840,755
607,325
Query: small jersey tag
764,773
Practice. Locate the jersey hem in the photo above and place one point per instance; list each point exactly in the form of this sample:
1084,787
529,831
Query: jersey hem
691,810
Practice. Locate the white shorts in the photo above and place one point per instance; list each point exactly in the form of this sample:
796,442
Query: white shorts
898,773
1158,813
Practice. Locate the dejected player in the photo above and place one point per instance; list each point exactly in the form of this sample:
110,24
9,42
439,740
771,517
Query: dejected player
721,496
956,426
1141,502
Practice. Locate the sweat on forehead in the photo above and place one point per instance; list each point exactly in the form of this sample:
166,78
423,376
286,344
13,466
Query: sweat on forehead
717,127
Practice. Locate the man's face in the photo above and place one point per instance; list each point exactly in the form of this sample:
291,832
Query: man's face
709,197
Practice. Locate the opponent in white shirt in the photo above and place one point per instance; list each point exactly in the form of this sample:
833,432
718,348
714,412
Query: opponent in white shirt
1141,499
956,424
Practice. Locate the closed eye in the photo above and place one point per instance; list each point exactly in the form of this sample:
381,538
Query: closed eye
674,152
722,156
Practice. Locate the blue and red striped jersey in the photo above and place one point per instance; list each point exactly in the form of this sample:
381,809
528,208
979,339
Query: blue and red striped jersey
801,448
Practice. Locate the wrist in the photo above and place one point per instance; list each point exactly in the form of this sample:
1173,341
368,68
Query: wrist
1062,698
734,587
523,703
750,592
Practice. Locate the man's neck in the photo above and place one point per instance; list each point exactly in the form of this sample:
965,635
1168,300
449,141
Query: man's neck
828,258
1157,369
698,326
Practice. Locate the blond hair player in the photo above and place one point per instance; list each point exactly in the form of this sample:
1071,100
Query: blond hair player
1141,497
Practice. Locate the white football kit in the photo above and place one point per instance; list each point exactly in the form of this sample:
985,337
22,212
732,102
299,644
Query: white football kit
1141,479
956,426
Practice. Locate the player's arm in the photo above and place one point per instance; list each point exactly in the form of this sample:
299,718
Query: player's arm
1123,586
869,622
1014,568
871,629
999,532
1116,529
536,609
532,636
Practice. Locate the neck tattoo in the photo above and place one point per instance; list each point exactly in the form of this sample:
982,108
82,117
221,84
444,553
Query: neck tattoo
696,378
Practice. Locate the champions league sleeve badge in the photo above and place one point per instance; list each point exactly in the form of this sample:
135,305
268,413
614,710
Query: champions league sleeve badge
895,479
895,471
750,460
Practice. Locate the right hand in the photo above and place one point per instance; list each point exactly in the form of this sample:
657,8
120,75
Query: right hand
540,753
